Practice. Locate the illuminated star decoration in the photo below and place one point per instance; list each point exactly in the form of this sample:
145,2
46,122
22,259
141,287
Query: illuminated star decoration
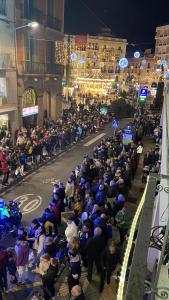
82,60
137,54
73,56
143,61
123,63
163,62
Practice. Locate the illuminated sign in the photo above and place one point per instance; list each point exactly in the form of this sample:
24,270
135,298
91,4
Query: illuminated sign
143,92
30,111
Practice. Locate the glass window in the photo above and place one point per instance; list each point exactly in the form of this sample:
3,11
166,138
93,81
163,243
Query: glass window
50,8
50,52
27,46
3,7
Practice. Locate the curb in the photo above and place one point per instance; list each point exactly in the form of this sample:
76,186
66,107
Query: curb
20,179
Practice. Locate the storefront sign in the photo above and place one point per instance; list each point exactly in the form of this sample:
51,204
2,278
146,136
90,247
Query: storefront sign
29,98
30,111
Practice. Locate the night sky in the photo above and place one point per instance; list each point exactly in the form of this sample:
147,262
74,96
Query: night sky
132,19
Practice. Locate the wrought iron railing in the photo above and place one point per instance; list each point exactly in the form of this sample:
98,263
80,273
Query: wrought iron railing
29,67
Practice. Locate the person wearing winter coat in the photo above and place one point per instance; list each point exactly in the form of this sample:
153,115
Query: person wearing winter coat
3,272
71,229
22,257
74,269
70,191
109,260
100,196
77,293
39,240
94,248
55,207
48,271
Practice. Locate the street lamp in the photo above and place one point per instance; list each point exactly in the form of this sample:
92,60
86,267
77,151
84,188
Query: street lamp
30,25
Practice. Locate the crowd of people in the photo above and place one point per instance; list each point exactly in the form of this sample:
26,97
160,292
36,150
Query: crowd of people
97,228
34,145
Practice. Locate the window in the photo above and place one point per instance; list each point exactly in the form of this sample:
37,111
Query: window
50,7
3,7
28,7
50,52
27,46
31,48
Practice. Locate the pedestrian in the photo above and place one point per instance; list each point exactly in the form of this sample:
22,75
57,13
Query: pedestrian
11,265
77,293
3,271
109,260
123,220
71,229
48,272
74,269
94,248
22,255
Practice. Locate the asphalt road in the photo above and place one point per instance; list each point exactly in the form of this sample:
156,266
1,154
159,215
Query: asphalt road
35,191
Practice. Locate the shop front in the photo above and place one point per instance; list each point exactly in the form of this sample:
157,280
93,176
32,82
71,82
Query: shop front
30,109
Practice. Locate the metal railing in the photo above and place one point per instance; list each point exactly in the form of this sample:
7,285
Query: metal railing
30,67
46,20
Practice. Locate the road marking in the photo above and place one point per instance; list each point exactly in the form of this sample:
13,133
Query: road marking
50,181
94,139
29,202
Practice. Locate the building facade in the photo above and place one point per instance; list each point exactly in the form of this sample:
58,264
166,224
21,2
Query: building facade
39,77
8,86
142,70
162,43
91,62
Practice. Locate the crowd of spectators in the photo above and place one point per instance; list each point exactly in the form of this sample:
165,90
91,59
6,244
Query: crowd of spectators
97,230
34,145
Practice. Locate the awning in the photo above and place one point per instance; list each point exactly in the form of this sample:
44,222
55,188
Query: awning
7,108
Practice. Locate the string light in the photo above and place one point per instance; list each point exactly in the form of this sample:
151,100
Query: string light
129,246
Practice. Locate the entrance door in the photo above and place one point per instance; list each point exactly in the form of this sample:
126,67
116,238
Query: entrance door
30,122
47,104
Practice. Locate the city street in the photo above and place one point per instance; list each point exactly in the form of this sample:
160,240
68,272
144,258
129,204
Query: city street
35,191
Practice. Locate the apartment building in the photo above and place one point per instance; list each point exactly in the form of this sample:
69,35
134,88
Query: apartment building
39,77
8,86
162,43
91,62
142,70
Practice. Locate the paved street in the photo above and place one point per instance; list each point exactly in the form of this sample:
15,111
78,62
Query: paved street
35,191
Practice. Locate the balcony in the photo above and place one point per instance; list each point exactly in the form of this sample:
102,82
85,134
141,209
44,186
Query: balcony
53,23
55,69
36,68
34,15
46,20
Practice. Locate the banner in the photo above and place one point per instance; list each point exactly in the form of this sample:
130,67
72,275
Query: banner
80,41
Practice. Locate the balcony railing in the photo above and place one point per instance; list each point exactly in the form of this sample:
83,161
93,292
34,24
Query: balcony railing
54,69
53,23
29,67
40,17
34,15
